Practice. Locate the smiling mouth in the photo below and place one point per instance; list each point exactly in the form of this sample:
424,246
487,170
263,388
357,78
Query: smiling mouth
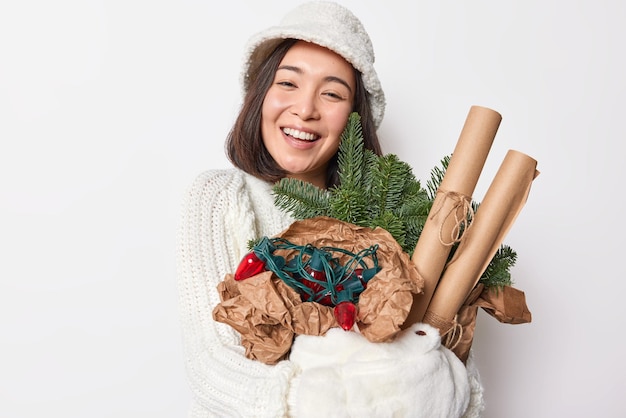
303,136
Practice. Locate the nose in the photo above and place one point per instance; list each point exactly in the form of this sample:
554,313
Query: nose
305,106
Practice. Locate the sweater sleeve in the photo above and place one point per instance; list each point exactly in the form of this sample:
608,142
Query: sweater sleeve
216,222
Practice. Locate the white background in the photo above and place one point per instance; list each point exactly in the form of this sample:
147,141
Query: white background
109,109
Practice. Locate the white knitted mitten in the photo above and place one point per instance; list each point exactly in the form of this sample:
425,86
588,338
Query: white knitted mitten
345,375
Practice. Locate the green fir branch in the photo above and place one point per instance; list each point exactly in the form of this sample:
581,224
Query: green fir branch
348,205
497,274
394,225
302,199
350,158
369,160
389,178
436,177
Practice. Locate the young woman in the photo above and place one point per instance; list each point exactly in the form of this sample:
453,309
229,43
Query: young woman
301,80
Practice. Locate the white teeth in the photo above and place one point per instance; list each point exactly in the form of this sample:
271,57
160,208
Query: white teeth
299,134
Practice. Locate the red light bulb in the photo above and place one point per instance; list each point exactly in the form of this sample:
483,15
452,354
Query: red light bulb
250,265
345,314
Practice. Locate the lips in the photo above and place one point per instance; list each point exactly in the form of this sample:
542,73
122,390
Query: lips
301,135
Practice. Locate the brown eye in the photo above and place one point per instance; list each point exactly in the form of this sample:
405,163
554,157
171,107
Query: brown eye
420,332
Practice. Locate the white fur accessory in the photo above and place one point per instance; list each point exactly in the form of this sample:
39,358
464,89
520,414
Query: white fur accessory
327,24
345,375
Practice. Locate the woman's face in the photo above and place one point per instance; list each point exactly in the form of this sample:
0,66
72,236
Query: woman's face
306,109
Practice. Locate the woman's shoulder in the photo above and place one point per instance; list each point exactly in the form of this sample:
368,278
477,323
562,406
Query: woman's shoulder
230,180
214,189
218,179
228,188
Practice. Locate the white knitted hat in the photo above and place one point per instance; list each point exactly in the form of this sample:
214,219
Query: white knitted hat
327,24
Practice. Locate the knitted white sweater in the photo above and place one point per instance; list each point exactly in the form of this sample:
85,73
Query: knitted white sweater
223,210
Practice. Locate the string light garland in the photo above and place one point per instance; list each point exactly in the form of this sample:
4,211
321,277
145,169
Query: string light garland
317,274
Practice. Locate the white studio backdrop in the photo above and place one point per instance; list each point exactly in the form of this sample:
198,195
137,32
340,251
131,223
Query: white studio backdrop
109,109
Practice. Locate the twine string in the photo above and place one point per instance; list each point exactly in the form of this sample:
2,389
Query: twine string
463,216
453,336
450,330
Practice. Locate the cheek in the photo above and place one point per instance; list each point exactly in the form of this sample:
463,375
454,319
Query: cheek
270,112
273,103
337,120
266,109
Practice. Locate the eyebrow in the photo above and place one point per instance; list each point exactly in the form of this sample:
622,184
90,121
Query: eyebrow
328,79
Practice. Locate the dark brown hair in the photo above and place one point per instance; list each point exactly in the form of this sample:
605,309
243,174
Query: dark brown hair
244,144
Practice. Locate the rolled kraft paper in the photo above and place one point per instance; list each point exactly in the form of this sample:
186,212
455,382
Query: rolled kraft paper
458,184
503,201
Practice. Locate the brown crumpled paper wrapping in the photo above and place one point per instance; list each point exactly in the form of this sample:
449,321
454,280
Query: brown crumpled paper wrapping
507,305
268,313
